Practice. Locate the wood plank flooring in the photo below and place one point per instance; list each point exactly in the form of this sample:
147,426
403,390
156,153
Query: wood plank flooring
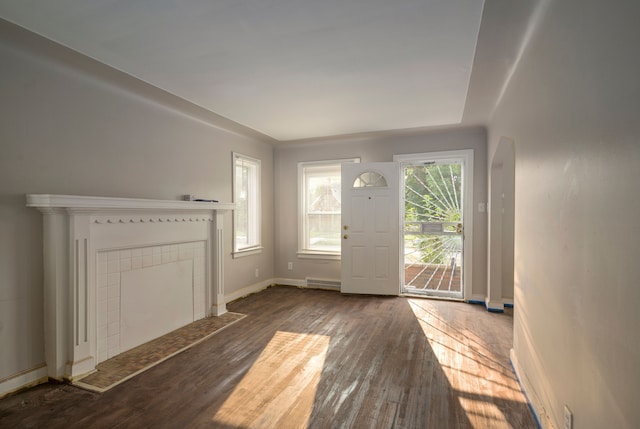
312,359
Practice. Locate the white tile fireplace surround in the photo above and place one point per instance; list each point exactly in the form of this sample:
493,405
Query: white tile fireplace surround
122,271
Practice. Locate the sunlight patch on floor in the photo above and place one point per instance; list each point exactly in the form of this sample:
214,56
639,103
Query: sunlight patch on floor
471,368
280,388
490,417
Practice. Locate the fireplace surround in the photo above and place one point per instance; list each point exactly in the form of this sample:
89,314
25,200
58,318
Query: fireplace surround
121,271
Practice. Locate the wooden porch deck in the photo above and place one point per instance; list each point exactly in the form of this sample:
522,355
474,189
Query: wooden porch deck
439,277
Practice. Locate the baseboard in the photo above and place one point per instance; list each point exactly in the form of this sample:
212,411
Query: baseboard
494,306
24,379
248,290
257,287
302,283
508,302
541,416
322,283
476,299
491,306
289,282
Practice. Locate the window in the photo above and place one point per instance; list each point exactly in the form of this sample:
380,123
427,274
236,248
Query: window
370,179
319,199
246,196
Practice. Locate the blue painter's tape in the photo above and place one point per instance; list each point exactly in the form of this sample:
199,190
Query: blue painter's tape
509,305
478,302
533,410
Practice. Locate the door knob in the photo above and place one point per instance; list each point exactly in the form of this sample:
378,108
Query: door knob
345,236
459,228
345,227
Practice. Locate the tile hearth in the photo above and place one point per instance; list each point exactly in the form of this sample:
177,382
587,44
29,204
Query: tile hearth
126,365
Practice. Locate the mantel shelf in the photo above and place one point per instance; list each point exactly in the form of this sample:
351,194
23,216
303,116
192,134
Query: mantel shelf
80,202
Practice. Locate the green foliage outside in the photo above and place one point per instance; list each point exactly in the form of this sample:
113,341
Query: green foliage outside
433,193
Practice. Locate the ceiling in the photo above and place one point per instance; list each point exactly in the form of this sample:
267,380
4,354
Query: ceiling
289,69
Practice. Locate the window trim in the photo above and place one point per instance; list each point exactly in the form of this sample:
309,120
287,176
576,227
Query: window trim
255,248
313,253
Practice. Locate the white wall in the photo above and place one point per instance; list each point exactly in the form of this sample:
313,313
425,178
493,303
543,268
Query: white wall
72,126
369,149
573,110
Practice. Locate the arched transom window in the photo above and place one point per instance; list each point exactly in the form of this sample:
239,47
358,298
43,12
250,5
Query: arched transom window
370,179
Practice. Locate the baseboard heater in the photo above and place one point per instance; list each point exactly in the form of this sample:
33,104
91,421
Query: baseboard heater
323,283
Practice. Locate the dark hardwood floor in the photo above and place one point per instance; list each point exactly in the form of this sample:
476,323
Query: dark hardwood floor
316,359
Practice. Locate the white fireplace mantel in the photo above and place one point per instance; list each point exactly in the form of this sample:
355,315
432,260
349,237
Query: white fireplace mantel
80,232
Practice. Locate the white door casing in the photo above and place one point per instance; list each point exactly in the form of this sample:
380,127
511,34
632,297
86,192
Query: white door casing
370,229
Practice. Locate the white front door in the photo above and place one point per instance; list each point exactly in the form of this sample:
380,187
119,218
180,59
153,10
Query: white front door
370,229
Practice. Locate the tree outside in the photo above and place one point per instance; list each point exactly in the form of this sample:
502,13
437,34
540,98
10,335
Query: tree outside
433,195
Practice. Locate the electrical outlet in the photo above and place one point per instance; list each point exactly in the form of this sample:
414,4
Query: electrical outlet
568,418
257,272
290,266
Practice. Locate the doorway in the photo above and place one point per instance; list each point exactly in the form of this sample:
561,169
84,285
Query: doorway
436,218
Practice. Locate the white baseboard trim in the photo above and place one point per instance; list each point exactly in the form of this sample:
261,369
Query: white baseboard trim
302,283
289,282
508,302
476,299
248,290
257,287
24,379
494,306
536,405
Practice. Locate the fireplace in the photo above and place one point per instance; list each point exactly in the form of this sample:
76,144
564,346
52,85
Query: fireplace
120,272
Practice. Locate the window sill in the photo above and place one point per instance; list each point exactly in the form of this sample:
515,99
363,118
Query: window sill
246,252
309,254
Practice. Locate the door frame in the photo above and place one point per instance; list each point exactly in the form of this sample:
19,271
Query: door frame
467,212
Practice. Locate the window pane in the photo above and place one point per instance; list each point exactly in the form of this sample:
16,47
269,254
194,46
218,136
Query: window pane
323,208
370,179
320,206
242,207
247,200
324,232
